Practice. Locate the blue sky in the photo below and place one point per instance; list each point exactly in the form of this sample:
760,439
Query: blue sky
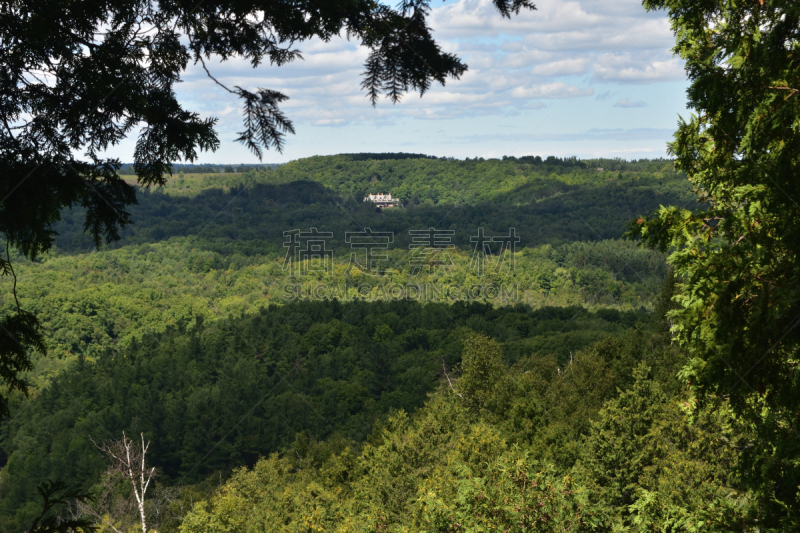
591,78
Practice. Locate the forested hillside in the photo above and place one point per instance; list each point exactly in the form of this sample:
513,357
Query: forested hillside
212,245
220,395
528,447
193,330
548,203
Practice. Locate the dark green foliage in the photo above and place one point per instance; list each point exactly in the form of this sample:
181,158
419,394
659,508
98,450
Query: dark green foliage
221,395
481,368
619,449
326,192
737,260
54,496
18,333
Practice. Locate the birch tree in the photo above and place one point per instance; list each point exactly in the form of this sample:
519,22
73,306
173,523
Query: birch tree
129,461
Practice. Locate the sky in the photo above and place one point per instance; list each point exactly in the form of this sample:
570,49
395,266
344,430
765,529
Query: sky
586,78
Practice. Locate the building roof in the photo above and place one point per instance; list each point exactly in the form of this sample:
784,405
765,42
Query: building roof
379,198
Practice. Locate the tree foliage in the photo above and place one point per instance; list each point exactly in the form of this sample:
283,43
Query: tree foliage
216,395
736,260
643,462
81,77
481,368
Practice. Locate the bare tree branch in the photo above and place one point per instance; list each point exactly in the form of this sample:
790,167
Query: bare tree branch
130,460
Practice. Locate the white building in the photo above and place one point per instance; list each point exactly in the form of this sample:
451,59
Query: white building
381,200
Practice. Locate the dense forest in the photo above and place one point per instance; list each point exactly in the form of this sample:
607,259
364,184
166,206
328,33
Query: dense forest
212,245
556,406
253,384
516,344
555,203
184,331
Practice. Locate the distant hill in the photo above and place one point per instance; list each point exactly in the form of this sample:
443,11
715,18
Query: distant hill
386,156
554,203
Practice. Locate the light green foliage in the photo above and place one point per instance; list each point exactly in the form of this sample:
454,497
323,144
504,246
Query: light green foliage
270,497
506,491
510,181
481,369
193,184
91,303
621,443
441,471
451,467
691,483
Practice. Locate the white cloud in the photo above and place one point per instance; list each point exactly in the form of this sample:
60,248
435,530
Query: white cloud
566,49
564,67
626,103
536,55
625,69
551,90
627,151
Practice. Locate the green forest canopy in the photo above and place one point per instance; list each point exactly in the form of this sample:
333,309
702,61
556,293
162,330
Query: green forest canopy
606,440
189,303
219,251
515,412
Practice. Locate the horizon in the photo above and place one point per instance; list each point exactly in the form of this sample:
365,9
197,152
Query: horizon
421,156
